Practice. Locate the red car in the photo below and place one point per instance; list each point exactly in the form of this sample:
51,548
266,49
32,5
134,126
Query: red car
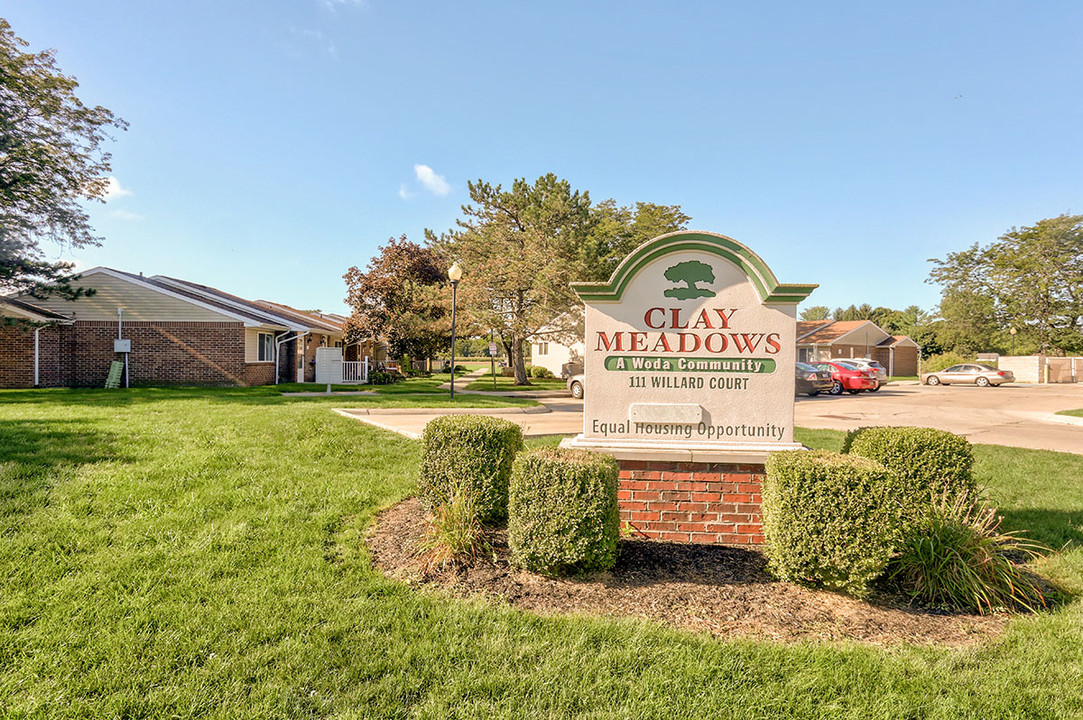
850,378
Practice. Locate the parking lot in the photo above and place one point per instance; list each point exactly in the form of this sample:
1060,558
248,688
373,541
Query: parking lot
1013,414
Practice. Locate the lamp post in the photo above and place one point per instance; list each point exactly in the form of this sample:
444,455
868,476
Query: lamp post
454,274
1013,331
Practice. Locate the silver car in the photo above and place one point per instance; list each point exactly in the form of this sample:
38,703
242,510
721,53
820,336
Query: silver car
970,374
575,384
871,366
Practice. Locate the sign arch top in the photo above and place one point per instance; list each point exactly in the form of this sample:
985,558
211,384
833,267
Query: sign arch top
752,265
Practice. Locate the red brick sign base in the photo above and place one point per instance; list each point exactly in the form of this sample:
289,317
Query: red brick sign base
692,502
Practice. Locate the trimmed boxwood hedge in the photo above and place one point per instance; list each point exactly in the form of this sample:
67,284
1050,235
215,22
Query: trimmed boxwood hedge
469,453
562,512
831,520
936,462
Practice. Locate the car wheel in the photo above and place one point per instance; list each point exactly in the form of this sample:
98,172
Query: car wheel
814,393
932,380
836,388
982,382
875,389
853,392
577,390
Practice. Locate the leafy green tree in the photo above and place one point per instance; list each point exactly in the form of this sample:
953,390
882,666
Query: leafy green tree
51,159
520,249
967,322
816,312
1033,277
617,231
854,312
402,298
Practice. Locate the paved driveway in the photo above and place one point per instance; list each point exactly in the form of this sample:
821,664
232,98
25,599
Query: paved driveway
1016,415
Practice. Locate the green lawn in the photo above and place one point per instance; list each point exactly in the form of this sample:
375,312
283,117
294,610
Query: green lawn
193,553
508,383
1078,412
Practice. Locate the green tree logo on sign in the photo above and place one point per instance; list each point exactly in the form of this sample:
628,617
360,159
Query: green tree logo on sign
690,273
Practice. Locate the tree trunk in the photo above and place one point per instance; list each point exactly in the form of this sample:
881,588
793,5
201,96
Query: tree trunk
518,362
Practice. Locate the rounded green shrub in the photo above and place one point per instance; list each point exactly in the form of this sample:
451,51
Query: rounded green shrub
472,454
934,462
830,520
538,371
936,363
562,511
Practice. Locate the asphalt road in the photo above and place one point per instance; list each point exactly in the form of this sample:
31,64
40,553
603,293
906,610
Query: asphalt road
1016,415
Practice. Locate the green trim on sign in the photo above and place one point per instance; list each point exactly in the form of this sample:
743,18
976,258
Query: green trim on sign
642,363
751,264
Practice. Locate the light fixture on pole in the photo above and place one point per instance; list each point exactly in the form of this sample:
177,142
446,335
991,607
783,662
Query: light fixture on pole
1013,331
454,274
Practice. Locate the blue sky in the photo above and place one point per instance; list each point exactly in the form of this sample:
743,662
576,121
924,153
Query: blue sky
273,144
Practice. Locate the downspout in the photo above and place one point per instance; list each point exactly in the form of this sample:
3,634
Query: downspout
120,336
37,355
37,348
278,347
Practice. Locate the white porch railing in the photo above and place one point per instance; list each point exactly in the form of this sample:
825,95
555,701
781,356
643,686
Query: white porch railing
355,372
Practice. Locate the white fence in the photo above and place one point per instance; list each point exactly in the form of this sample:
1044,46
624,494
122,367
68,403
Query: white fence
356,371
1043,369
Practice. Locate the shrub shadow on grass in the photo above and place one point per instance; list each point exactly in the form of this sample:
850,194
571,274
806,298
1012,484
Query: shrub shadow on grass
1054,528
48,443
33,453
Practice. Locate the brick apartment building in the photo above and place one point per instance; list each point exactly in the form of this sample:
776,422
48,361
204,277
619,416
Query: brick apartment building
180,333
836,340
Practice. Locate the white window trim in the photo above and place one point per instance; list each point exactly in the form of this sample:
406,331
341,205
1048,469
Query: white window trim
270,346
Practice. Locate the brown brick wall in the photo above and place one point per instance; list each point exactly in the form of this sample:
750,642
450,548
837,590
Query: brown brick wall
906,357
163,353
906,361
692,502
16,357
259,374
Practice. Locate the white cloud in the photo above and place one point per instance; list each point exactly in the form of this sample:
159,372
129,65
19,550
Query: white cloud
436,184
302,43
113,190
125,215
332,5
404,192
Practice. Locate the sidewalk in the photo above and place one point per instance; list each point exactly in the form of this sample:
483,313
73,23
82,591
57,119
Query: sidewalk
462,382
553,417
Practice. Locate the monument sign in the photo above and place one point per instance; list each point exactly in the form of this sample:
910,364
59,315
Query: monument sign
690,348
689,382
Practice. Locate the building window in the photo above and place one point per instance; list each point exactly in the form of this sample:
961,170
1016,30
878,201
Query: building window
543,348
265,347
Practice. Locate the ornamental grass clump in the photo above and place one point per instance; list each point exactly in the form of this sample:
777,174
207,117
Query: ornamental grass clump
957,557
453,535
469,454
934,462
831,520
562,512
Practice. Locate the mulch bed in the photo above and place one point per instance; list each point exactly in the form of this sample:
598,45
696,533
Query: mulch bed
723,590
